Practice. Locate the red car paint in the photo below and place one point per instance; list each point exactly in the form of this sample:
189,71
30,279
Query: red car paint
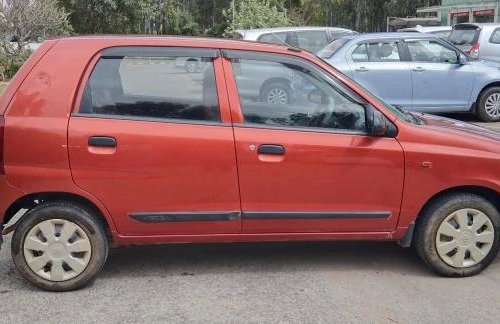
176,167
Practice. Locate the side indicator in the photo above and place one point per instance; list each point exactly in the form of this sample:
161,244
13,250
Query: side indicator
426,164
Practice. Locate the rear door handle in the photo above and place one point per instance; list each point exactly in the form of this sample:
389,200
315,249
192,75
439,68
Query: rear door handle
102,141
271,149
418,69
362,69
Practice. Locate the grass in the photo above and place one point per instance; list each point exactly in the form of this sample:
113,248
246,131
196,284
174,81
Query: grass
2,86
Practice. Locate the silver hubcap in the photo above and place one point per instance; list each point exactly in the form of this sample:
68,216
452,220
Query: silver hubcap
277,96
465,238
492,105
57,250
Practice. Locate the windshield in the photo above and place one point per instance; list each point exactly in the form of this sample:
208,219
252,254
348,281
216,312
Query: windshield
463,36
332,48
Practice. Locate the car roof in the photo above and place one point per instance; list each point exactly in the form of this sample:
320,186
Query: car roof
480,25
259,31
426,29
107,41
389,35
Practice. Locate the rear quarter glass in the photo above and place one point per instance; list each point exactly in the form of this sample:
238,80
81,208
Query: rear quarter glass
23,72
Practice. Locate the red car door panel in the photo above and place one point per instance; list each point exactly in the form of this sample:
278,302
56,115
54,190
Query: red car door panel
301,167
154,143
325,182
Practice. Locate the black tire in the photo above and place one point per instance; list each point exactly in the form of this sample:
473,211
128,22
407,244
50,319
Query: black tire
275,86
79,215
481,106
434,215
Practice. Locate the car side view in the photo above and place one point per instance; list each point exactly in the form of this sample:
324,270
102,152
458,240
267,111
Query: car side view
419,71
125,147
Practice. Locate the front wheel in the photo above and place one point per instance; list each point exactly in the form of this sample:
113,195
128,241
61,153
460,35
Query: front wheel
488,109
59,246
458,235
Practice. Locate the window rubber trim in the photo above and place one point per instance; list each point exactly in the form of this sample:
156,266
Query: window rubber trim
159,51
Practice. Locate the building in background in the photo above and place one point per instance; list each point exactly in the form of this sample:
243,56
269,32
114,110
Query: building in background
452,12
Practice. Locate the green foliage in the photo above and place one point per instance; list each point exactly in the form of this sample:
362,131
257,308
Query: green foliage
254,14
10,64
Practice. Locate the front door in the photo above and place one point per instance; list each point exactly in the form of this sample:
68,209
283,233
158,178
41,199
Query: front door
440,82
153,143
309,165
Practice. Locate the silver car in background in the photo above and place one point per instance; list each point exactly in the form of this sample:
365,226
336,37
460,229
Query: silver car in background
310,38
480,41
419,71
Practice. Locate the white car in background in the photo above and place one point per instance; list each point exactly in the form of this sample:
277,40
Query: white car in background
438,31
312,39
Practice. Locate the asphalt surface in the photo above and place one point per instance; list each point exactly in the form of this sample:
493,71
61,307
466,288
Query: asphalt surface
257,283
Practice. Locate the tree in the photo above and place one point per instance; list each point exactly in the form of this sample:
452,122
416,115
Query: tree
25,21
254,14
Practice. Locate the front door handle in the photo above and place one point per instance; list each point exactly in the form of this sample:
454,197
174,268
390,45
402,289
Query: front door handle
102,141
418,69
271,149
362,69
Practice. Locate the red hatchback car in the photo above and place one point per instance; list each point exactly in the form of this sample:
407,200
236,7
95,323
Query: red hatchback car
109,141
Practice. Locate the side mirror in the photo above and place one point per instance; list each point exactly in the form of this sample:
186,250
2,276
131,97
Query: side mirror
463,59
378,125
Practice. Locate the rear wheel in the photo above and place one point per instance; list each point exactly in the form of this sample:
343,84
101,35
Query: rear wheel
488,109
458,235
59,246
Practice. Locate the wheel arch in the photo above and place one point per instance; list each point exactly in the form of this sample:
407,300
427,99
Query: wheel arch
483,89
32,200
485,192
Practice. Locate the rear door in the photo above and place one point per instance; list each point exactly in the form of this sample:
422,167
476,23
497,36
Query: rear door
380,66
154,143
440,82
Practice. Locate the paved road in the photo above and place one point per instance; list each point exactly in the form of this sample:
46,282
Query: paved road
274,282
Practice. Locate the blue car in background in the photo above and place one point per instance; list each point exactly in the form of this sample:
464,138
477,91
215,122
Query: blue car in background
419,72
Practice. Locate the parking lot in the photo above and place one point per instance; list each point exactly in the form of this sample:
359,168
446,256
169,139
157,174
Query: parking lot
273,282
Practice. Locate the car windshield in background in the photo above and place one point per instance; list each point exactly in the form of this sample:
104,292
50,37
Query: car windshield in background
312,40
463,36
332,48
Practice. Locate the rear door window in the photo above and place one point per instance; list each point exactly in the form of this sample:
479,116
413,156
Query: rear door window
154,86
377,52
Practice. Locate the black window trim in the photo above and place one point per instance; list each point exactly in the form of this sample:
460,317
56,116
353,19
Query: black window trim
496,30
159,51
119,52
290,59
152,119
437,40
